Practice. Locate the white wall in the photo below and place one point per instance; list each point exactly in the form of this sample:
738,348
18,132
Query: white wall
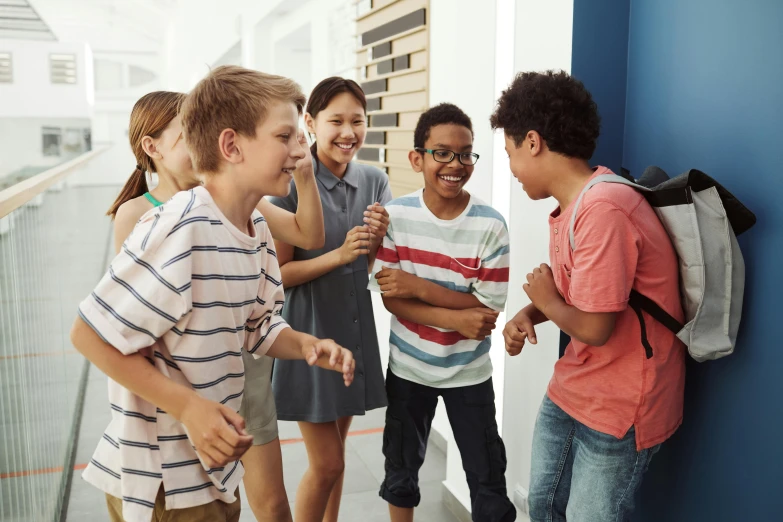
33,95
543,41
21,144
292,55
203,30
308,43
115,96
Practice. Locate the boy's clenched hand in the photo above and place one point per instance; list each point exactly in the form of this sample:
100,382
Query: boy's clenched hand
398,283
541,288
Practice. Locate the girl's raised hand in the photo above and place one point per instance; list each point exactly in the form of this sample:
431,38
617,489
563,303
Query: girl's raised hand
377,218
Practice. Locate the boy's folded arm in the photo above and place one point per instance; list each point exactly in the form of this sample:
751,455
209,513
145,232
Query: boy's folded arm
133,371
442,297
591,328
535,315
420,312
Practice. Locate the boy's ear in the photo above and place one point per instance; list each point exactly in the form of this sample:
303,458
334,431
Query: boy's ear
534,142
417,161
150,148
228,144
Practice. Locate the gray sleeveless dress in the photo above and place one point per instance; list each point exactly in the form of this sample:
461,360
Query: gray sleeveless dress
335,306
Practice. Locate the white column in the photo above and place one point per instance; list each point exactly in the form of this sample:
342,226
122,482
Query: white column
543,41
248,42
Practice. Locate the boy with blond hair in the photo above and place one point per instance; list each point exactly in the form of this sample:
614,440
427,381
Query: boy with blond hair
196,283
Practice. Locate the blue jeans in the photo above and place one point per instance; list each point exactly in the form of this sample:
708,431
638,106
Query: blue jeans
582,475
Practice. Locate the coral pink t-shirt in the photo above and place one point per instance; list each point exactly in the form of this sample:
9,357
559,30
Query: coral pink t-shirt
620,245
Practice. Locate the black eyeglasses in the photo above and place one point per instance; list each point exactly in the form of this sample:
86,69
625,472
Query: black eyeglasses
447,156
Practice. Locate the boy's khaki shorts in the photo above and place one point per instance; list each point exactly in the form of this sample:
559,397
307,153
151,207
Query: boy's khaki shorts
216,511
258,403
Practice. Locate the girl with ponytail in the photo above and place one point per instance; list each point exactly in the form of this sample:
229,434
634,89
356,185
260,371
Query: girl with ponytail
155,135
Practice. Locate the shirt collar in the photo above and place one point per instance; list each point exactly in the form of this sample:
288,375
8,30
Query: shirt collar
329,180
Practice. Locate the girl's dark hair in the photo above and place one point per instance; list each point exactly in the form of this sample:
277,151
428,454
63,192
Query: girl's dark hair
322,95
149,117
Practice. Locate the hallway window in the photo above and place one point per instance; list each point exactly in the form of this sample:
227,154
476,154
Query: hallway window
62,68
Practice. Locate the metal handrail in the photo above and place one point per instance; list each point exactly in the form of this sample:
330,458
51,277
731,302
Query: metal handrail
23,192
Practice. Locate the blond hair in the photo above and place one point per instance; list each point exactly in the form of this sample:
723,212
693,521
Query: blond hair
150,117
230,97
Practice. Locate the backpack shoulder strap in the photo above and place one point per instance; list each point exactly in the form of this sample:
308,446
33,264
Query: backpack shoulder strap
603,178
637,302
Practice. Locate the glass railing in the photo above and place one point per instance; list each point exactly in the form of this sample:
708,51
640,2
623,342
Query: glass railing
53,247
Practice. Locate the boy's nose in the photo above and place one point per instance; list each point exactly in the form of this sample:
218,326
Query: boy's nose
298,151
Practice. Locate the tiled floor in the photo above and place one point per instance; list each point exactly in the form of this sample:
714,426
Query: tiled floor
364,468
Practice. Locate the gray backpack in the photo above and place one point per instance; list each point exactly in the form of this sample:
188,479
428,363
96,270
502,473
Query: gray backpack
702,220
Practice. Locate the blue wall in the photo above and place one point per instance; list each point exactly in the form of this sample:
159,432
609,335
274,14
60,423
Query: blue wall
599,59
705,90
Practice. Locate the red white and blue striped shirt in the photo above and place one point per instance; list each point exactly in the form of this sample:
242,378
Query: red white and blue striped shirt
467,254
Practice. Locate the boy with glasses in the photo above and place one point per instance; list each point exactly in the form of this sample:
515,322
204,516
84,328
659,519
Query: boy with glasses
443,273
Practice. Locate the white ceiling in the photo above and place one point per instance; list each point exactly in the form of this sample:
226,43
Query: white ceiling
18,20
107,25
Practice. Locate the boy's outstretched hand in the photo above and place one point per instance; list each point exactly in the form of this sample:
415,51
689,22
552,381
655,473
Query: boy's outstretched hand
331,356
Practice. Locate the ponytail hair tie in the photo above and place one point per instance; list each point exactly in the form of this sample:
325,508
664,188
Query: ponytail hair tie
138,167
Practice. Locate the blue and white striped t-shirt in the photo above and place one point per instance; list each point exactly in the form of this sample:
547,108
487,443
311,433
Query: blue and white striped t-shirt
197,290
470,254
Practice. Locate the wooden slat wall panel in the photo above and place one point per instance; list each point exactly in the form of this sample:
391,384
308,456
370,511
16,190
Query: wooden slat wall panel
404,181
408,82
407,44
417,61
408,120
412,101
400,139
392,12
404,62
398,157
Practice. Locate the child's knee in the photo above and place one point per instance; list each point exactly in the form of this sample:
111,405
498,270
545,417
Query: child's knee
329,469
270,505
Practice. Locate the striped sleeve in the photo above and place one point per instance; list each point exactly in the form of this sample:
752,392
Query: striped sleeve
266,323
146,291
386,257
491,287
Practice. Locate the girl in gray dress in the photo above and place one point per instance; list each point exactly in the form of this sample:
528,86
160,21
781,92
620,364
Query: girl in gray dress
327,296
